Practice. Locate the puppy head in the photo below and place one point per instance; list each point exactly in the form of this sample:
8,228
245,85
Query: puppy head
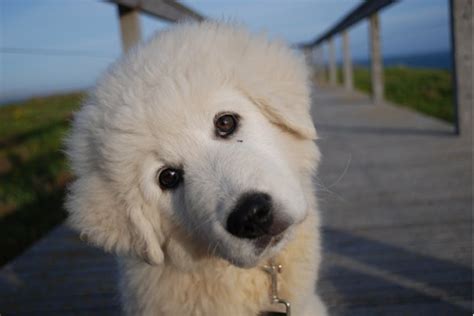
198,142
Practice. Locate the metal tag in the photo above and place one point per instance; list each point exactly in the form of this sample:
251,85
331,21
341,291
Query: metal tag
273,270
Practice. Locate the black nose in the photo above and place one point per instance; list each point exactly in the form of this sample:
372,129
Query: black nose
252,216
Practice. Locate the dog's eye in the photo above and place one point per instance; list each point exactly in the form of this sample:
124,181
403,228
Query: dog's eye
169,178
226,124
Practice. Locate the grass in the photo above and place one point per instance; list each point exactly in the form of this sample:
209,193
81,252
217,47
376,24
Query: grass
33,171
425,90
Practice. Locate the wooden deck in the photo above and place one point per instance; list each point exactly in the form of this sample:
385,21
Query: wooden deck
396,193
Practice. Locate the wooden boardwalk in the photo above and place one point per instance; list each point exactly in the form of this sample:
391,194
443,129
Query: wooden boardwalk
396,193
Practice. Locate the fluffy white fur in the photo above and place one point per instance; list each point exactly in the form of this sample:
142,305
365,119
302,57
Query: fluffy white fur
154,108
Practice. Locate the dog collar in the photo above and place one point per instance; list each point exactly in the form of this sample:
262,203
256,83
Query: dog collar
273,270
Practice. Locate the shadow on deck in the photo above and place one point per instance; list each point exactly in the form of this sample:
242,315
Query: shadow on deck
395,190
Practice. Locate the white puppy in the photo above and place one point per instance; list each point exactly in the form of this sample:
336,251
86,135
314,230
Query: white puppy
194,157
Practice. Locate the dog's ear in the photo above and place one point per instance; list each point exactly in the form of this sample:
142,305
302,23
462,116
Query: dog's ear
108,222
290,115
285,102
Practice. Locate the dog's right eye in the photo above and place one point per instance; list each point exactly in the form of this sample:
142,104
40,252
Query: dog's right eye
226,124
169,178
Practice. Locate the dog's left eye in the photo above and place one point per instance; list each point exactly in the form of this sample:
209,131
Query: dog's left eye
226,124
169,178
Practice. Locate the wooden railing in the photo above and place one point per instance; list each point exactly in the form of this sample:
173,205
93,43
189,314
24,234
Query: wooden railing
366,10
461,47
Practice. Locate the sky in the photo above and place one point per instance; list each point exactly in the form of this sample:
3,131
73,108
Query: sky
48,46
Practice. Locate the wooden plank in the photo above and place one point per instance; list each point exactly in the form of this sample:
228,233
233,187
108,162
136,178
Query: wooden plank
432,308
72,278
168,10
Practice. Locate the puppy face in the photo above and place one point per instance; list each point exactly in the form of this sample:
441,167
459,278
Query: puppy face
195,156
227,184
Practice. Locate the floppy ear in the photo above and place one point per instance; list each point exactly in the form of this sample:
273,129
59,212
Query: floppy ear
284,98
289,114
107,222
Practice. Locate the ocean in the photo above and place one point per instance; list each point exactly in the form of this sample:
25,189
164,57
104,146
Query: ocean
438,60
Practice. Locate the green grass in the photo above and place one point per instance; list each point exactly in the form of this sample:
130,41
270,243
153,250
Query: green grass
33,171
425,90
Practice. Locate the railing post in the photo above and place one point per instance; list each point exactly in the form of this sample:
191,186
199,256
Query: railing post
332,62
348,81
129,27
307,56
322,64
461,41
376,60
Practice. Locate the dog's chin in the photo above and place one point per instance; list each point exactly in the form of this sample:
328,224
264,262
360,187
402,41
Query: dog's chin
251,253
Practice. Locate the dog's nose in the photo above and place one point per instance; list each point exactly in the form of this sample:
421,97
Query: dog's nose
252,216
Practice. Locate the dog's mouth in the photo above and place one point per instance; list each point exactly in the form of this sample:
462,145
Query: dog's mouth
267,241
249,252
274,235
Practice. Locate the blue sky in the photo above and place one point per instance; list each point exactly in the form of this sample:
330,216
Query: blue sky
86,34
